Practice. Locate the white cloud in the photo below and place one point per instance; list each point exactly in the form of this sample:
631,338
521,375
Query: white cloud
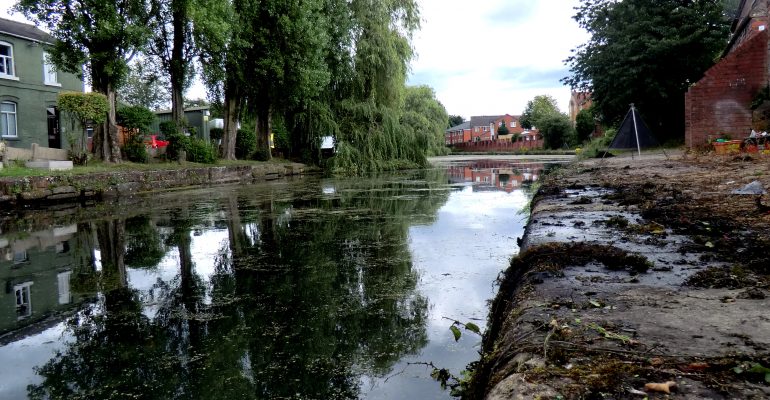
492,56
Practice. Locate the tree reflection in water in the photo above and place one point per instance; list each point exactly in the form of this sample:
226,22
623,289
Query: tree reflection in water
309,293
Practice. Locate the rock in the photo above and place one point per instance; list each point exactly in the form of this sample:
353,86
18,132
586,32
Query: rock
516,387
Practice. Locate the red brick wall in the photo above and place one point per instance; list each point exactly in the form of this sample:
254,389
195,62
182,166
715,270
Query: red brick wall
720,103
498,145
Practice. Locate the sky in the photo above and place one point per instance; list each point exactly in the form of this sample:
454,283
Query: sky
483,57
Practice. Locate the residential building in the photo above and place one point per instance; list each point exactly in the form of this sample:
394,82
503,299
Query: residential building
485,128
720,103
458,134
29,88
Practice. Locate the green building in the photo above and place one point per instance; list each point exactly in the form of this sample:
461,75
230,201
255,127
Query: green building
197,119
29,87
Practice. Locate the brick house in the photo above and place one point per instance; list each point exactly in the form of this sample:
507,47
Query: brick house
720,103
458,134
29,88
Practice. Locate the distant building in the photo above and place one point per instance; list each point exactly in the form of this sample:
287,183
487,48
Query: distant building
458,134
578,101
197,119
485,128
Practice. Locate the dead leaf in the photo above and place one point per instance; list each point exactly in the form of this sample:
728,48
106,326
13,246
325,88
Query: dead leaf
656,361
660,387
697,366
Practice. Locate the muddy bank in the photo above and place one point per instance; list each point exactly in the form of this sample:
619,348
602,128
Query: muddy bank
68,188
637,278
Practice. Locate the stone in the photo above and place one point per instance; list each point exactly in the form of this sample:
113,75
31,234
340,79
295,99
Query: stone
49,165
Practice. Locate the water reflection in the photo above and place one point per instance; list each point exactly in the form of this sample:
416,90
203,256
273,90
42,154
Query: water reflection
286,290
495,174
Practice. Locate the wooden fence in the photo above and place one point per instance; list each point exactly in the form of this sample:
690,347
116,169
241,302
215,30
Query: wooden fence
497,146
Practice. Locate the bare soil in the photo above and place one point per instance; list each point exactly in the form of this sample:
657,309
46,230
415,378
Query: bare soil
637,272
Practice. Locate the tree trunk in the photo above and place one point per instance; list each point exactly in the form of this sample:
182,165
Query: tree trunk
106,145
112,245
263,128
232,111
177,64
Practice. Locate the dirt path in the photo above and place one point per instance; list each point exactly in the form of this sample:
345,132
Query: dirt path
637,272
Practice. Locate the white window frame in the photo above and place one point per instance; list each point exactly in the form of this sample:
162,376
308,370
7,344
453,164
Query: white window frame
6,115
50,75
8,61
23,295
513,124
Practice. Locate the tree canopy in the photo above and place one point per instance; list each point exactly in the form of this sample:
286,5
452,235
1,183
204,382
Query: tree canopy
646,53
537,110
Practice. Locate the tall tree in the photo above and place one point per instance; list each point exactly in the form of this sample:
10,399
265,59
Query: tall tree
286,59
424,115
172,45
537,110
647,53
103,36
144,86
455,120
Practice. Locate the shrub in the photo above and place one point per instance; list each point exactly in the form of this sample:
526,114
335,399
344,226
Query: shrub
245,143
177,142
216,133
135,150
201,151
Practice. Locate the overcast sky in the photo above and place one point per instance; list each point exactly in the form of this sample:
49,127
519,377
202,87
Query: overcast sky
485,57
489,57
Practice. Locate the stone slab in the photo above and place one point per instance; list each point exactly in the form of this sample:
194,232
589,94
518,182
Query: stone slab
50,165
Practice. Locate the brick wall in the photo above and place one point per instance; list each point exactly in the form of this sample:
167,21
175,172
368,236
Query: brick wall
720,103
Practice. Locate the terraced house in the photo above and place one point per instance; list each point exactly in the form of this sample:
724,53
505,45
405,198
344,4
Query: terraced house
29,87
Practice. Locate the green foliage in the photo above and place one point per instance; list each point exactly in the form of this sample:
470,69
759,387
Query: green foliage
144,86
557,131
135,117
200,151
216,133
135,150
245,143
596,147
144,247
585,124
537,110
455,120
177,142
84,106
647,53
503,129
423,116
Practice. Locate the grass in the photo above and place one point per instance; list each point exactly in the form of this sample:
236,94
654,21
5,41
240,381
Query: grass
18,171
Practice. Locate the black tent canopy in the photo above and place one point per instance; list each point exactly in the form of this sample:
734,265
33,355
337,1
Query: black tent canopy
633,133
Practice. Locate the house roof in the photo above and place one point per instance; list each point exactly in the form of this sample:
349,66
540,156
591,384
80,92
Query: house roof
464,125
24,31
196,108
484,120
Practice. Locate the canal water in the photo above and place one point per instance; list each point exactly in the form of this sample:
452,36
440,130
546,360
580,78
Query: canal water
309,288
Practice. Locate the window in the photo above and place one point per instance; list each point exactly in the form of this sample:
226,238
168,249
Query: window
23,303
476,129
6,60
8,119
513,124
49,71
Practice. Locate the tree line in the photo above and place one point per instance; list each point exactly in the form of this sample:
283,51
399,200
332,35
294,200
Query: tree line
314,67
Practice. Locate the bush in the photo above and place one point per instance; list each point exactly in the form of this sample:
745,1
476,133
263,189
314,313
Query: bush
245,143
201,151
216,133
557,131
135,150
177,142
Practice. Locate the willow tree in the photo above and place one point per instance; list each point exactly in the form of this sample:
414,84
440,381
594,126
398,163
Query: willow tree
370,136
100,34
